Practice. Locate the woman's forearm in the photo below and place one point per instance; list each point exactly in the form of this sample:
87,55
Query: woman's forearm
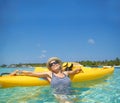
26,72
35,74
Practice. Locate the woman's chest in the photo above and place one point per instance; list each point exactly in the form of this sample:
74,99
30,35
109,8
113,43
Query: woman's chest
56,81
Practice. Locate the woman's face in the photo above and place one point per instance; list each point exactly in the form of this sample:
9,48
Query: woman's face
55,65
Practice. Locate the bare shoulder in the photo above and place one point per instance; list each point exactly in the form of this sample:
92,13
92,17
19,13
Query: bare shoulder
66,72
49,74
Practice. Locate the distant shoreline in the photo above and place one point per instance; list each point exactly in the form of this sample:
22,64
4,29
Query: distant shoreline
115,63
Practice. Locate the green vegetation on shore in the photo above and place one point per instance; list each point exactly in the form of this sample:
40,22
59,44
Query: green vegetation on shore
115,62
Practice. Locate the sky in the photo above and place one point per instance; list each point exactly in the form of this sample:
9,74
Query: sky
31,31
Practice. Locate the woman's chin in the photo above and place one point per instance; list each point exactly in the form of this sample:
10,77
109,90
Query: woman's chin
58,67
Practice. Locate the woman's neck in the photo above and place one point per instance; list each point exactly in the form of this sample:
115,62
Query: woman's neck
57,71
59,74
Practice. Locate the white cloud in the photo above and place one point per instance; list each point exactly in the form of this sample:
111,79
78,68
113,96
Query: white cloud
44,51
91,41
42,56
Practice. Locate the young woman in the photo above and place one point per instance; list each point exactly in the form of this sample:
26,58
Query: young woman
59,79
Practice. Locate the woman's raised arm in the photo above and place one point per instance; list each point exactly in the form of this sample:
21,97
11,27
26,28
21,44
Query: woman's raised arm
30,73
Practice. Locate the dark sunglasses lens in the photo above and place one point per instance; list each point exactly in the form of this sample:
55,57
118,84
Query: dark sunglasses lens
51,64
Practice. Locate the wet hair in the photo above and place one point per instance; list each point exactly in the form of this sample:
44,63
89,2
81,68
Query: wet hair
53,59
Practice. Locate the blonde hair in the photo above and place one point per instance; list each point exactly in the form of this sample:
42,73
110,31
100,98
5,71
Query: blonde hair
53,59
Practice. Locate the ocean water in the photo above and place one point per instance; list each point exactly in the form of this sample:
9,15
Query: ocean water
104,90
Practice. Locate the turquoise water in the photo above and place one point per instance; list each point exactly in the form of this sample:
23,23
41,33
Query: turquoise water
105,90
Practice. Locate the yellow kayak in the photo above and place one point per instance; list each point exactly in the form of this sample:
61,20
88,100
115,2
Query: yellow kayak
87,74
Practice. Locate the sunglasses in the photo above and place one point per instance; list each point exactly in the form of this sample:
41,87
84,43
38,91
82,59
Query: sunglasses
55,62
